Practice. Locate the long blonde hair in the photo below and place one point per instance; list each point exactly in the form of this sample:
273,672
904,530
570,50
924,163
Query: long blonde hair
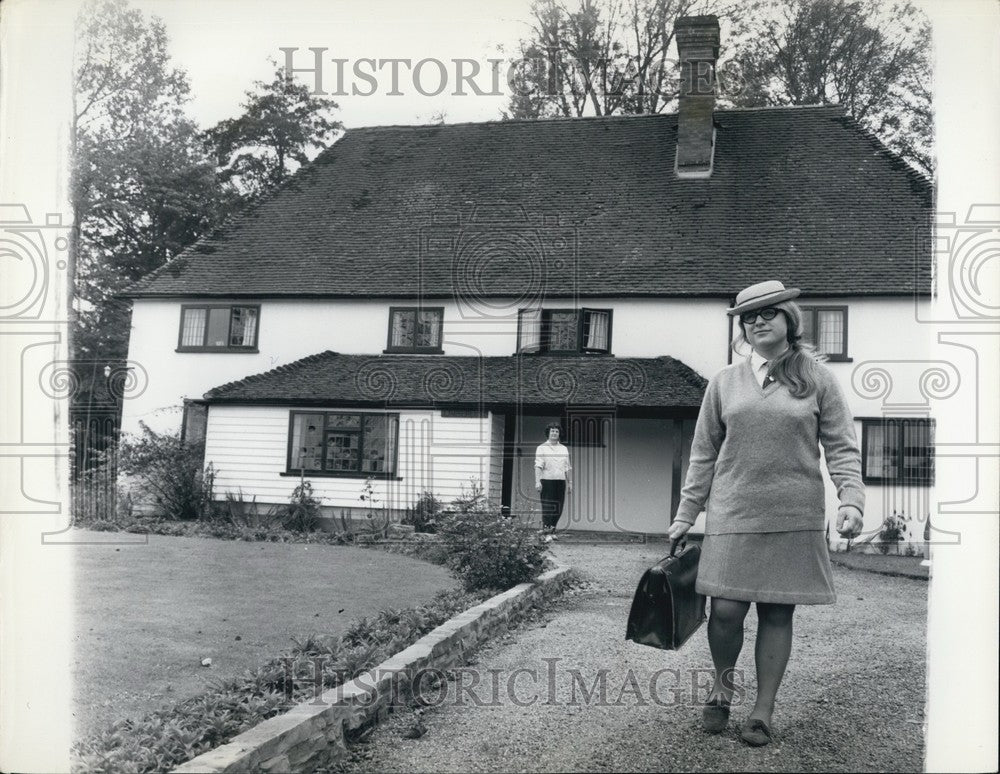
797,366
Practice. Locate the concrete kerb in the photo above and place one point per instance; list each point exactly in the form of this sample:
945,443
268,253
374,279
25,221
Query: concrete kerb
312,733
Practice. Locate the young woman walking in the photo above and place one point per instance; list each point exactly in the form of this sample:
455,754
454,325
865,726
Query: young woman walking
755,468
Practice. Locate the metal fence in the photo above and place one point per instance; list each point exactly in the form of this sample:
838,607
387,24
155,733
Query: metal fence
94,465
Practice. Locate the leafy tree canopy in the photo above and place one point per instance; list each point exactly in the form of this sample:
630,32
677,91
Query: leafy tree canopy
612,57
142,186
602,57
282,123
869,56
147,183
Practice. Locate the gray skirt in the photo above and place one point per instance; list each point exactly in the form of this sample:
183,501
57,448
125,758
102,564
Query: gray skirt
785,567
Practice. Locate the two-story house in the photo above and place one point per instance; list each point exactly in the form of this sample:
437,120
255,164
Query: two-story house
419,302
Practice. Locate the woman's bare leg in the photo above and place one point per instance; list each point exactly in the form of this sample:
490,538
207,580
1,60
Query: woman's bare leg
725,640
774,645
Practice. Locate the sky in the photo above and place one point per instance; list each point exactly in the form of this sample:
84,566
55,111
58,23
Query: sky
225,45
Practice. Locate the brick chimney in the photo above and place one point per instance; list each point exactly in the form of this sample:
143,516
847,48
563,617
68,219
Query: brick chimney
698,50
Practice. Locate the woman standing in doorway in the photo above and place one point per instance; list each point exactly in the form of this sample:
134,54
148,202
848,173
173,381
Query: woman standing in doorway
755,461
552,479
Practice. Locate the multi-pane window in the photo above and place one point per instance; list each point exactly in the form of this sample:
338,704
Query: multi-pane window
415,330
343,444
219,328
826,328
897,451
564,331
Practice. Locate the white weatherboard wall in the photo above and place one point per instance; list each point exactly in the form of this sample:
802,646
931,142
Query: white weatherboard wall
693,331
248,447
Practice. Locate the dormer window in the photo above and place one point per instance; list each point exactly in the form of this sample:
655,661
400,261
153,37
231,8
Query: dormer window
415,329
564,331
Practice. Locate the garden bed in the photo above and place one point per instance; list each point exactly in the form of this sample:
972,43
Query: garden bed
314,734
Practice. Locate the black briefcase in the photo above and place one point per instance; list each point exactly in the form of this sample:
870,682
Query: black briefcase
666,610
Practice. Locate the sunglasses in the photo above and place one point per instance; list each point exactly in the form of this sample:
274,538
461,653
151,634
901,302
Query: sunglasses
766,314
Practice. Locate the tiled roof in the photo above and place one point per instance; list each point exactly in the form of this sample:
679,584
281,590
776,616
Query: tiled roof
585,206
447,380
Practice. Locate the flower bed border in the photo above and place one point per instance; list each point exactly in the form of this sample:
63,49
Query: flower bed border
312,734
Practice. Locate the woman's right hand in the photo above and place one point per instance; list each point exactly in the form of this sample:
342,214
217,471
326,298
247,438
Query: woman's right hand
678,529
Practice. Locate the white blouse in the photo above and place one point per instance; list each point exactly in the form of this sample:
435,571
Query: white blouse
552,461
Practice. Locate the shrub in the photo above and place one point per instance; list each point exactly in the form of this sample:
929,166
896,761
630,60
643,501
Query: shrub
171,471
893,532
425,513
471,499
240,517
486,550
378,518
303,513
241,513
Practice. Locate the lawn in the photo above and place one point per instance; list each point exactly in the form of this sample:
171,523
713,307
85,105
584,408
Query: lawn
146,615
886,564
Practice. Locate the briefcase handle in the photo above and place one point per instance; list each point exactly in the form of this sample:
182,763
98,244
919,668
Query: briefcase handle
677,542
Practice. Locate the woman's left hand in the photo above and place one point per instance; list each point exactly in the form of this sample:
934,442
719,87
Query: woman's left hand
850,522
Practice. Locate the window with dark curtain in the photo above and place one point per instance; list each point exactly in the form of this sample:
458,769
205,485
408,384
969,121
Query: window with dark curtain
898,451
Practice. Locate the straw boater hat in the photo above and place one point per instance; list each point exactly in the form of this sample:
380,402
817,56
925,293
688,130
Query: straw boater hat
760,295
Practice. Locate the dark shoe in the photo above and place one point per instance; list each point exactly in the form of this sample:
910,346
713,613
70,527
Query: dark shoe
756,733
715,716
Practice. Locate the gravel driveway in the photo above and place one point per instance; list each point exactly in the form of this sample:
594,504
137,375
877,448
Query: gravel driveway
852,699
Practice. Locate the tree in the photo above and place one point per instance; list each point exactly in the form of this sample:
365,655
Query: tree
142,199
281,124
601,57
142,186
868,56
610,57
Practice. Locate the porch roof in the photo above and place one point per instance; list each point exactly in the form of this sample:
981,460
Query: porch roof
447,380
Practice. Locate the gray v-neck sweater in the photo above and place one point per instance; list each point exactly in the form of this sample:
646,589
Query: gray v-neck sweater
755,457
